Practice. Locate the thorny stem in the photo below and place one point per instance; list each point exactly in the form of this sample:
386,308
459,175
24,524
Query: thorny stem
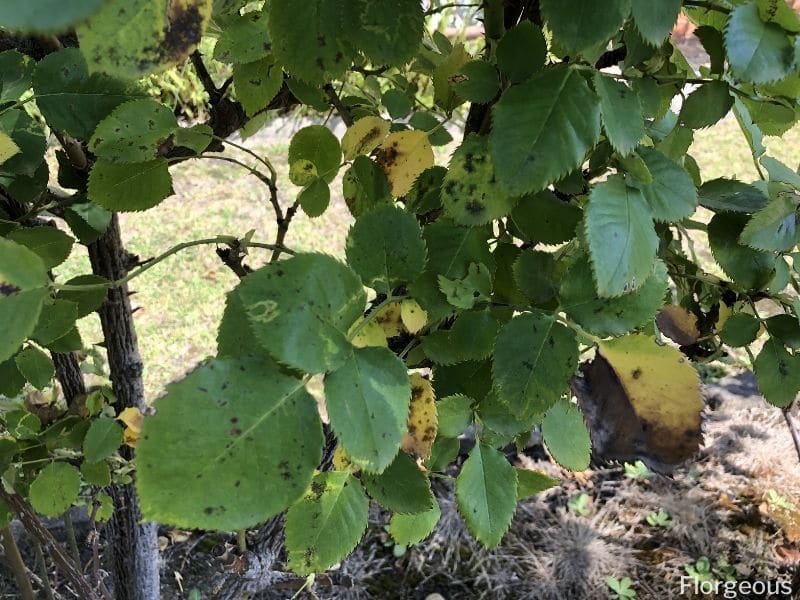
15,562
43,575
73,543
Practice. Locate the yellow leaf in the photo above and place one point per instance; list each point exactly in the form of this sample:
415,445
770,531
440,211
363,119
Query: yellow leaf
678,324
725,311
364,136
404,156
8,147
132,417
423,420
390,320
412,315
664,391
370,335
341,461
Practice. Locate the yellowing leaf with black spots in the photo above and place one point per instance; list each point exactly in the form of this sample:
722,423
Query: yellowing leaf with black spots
412,315
7,147
364,136
132,38
132,418
471,194
641,401
342,462
678,324
390,319
326,523
422,418
404,155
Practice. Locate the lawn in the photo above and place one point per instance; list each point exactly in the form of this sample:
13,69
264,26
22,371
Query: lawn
179,302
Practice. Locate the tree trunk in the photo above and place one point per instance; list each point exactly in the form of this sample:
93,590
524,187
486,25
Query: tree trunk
131,549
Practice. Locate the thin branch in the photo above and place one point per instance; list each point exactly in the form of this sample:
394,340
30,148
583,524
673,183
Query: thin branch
40,533
794,428
707,5
283,229
337,103
15,562
443,7
204,76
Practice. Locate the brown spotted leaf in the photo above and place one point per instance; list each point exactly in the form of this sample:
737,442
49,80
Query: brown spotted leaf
404,156
678,324
641,401
422,418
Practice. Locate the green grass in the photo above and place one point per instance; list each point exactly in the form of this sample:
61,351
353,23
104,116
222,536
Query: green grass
180,301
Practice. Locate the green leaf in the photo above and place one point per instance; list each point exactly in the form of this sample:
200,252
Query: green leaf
521,52
473,334
451,250
455,415
257,83
534,272
52,245
780,13
622,240
786,328
72,100
318,145
87,220
46,16
475,286
130,186
774,227
654,20
566,436
326,523
222,436
407,530
365,186
11,380
137,131
471,194
486,492
401,488
672,195
444,95
425,194
96,473
367,400
27,135
444,451
235,337
779,172
397,103
621,110
196,138
758,52
55,489
753,135
56,320
778,374
580,24
88,301
610,316
133,38
476,81
23,280
311,39
102,439
36,367
15,75
707,105
530,483
244,39
534,360
314,198
385,247
751,269
542,129
300,310
731,195
543,218
390,31
739,330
